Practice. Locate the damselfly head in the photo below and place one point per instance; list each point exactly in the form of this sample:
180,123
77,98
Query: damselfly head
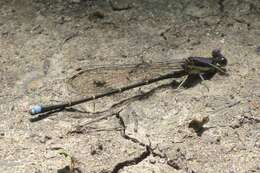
218,58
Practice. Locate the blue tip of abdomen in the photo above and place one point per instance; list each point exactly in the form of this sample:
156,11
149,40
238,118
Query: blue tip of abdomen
35,110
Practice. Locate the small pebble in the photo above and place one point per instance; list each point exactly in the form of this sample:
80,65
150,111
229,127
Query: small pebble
152,161
44,139
198,122
96,149
97,15
118,5
174,164
235,124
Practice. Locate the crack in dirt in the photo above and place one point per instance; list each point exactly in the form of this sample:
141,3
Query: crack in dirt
148,149
136,160
124,135
164,32
133,161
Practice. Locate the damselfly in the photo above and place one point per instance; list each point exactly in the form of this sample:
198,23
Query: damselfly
105,81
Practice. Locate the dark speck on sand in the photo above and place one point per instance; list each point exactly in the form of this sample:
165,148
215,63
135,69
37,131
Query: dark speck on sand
258,50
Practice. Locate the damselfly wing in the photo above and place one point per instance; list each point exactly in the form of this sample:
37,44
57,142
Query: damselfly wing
102,79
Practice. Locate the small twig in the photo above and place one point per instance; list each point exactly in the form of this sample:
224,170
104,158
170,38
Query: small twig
257,120
70,37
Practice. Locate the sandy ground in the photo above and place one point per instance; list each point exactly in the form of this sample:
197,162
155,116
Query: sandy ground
42,43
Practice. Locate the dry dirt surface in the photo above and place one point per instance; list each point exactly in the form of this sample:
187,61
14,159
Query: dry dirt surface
44,42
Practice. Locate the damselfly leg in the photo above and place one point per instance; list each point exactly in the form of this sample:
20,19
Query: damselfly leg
202,81
182,82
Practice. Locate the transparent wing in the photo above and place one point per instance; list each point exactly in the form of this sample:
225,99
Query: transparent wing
101,79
